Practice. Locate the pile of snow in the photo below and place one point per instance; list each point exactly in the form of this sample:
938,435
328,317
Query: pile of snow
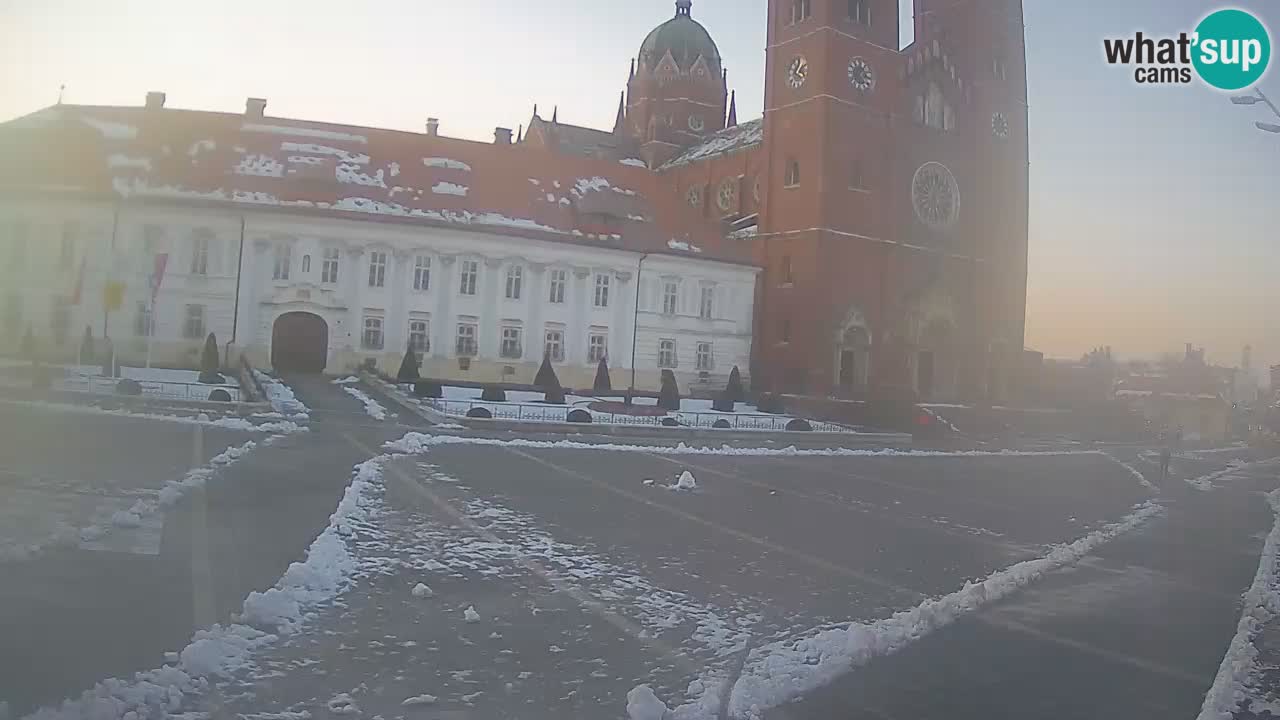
371,406
417,443
1137,475
421,590
131,518
304,132
783,670
470,614
448,188
643,704
282,398
343,705
1239,676
327,566
348,380
419,700
686,481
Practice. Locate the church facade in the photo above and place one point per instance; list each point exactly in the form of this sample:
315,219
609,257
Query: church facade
869,231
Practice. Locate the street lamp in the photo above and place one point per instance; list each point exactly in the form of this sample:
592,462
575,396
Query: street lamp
1267,127
1259,97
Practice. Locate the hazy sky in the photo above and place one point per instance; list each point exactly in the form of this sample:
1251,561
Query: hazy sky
1154,210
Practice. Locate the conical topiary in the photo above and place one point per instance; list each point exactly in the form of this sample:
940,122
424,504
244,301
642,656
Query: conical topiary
209,362
408,372
29,344
733,392
546,376
669,394
602,385
86,346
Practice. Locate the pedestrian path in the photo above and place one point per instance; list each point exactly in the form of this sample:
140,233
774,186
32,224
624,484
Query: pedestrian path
1137,630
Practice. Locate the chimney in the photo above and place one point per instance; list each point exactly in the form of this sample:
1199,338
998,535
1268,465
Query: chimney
502,136
155,100
433,126
255,107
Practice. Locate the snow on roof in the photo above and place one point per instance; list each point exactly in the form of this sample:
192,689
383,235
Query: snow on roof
633,162
219,158
741,137
304,132
439,162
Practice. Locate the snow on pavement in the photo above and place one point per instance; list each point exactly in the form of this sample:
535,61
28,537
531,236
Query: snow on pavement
226,423
783,670
372,407
1240,676
282,398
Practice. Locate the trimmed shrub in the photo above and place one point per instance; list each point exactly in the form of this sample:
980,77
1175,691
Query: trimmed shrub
770,403
220,395
29,344
209,364
733,391
670,422
110,363
428,389
554,396
723,403
481,413
578,416
669,395
128,387
408,367
493,394
546,377
799,425
602,385
86,346
721,424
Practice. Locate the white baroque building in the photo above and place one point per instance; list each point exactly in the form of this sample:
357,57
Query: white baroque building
294,286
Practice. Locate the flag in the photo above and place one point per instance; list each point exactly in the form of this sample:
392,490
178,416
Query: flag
78,291
157,275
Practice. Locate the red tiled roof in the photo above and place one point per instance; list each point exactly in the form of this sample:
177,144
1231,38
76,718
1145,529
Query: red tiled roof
339,170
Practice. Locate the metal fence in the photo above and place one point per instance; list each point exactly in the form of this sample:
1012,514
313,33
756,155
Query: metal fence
523,412
150,388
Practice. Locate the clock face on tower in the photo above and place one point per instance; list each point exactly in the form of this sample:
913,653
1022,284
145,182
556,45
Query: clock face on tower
1000,125
797,72
861,76
935,196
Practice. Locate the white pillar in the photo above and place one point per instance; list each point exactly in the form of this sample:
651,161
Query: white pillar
442,321
536,294
490,322
576,333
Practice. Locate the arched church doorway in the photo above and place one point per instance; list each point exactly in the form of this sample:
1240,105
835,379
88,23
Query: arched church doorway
854,360
299,343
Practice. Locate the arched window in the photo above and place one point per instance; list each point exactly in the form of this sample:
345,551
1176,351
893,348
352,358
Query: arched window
933,107
306,264
792,178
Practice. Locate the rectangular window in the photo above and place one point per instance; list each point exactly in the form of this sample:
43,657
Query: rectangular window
704,359
856,179
372,337
597,347
792,178
559,278
144,324
860,12
329,269
422,273
515,278
284,254
670,297
306,264
553,346
706,308
786,330
12,314
420,336
466,340
666,353
377,269
787,278
602,291
512,348
199,254
800,10
193,325
67,251
470,272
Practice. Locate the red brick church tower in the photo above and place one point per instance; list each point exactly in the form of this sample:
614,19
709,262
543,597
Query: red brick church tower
893,226
884,192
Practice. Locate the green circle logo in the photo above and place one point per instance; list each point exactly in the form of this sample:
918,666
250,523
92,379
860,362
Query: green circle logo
1232,49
